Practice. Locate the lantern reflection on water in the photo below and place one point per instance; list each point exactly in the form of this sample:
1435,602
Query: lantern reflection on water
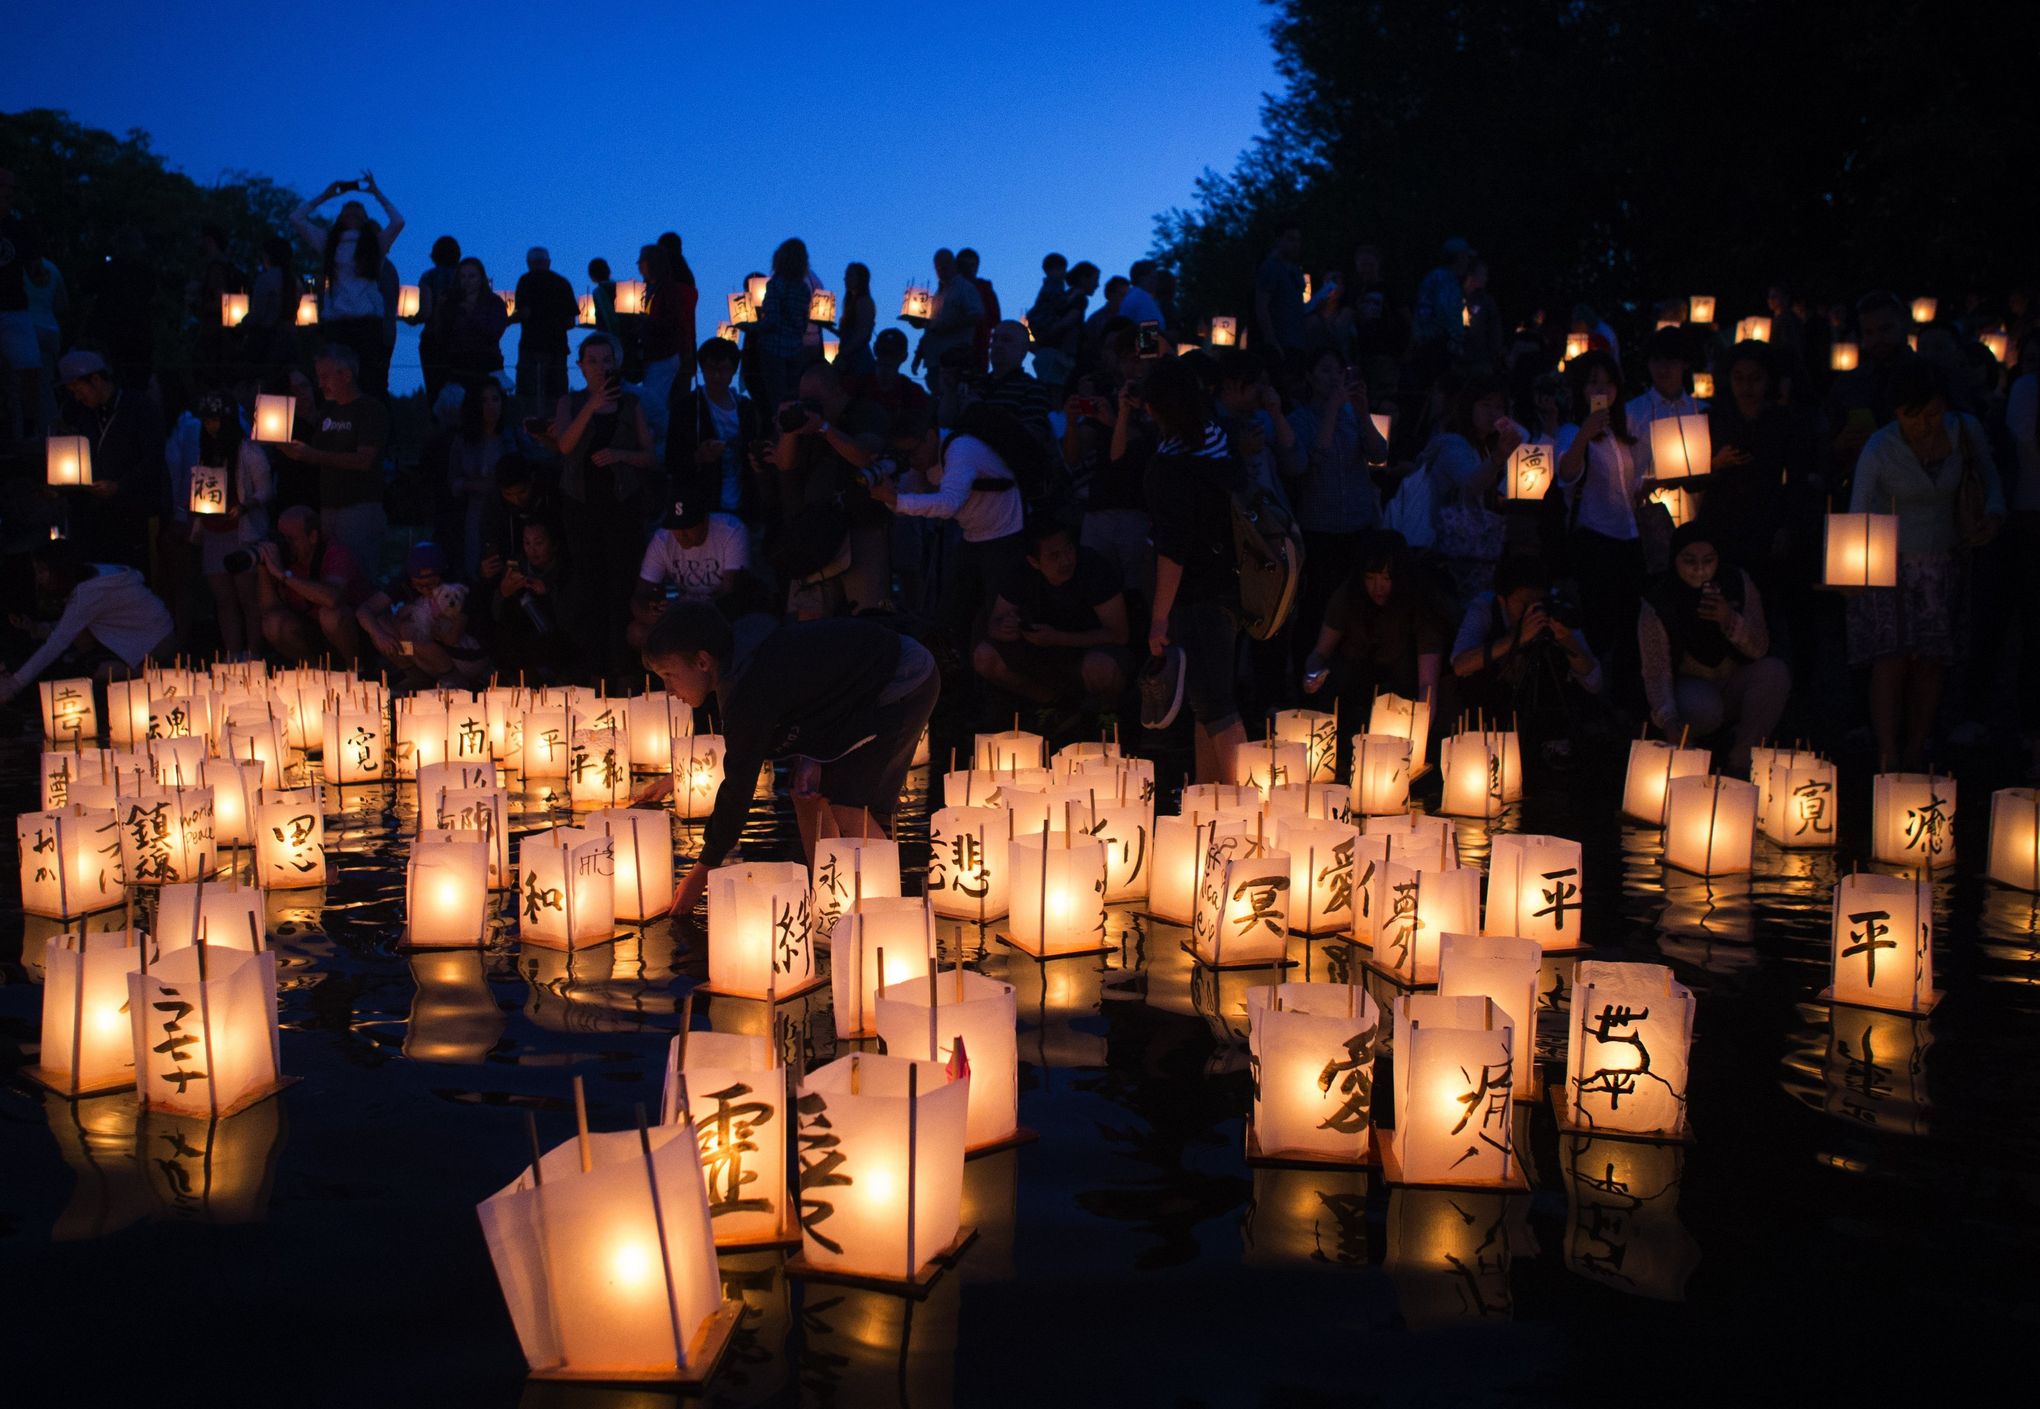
1454,1079
1622,1226
1313,1047
1631,1029
1882,951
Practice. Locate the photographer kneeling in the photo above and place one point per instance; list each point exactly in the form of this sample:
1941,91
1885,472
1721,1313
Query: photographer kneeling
1517,652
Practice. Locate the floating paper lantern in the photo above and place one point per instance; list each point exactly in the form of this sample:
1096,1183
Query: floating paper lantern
221,916
71,861
1799,801
59,770
1381,774
1419,827
1924,309
917,303
821,307
1844,357
547,744
1406,719
1270,764
606,1261
358,750
1015,748
1700,308
731,1089
446,894
698,774
1883,950
630,297
1680,447
1053,807
258,741
1179,856
1454,1082
881,1142
88,1042
761,936
69,714
1473,776
1209,798
977,1012
1912,819
1535,890
1057,902
1710,825
1862,550
275,415
1242,903
481,814
1753,330
166,835
1318,732
233,310
1503,968
1703,386
598,769
1320,873
1312,1048
467,732
408,300
967,860
986,787
127,712
1653,764
742,310
880,940
1314,800
1411,908
290,843
204,1030
1126,829
308,310
846,870
1625,1060
643,848
653,722
420,735
566,895
2015,838
1531,467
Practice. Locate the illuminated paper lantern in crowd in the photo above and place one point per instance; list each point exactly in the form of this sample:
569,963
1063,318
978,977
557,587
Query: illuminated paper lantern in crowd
1053,807
584,312
204,1030
127,712
1318,732
446,894
1626,1053
290,843
1057,902
598,769
642,841
71,861
698,774
1270,764
881,1142
233,310
1473,776
728,331
1411,908
208,489
1997,344
88,1041
1700,308
1799,801
755,287
742,310
483,813
60,769
68,711
166,835
847,869
547,745
275,415
1882,954
1531,467
1327,803
977,1011
653,722
1126,829
821,307
731,1088
1406,719
917,303
1179,855
1653,764
509,301
967,859
880,940
308,310
1753,330
761,934
1710,825
1844,357
1680,447
630,297
1225,332
1320,873
1924,309
566,898
1678,503
1536,890
1454,1084
259,742
1576,345
2015,838
420,735
1312,1048
1912,819
1503,968
1242,904
1209,798
1381,774
221,915
408,301
606,1262
1013,749
1703,386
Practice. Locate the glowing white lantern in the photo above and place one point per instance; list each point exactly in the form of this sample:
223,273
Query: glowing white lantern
1844,357
821,307
1577,345
68,711
881,940
917,303
881,1143
1015,748
275,415
1799,800
1912,819
1437,833
728,331
654,721
547,744
228,916
2015,838
127,712
1210,798
308,310
71,861
698,774
1536,890
290,843
975,1012
1225,332
1410,908
59,770
566,897
1883,949
88,1042
1406,719
1531,468
1126,829
1270,764
1653,764
1454,1083
446,893
503,712
1318,732
1625,1059
731,1088
630,296
846,870
1996,343
258,741
1862,551
1311,1047
643,873
357,752
1679,504
1321,876
1242,903
166,835
466,735
761,936
208,489
1179,858
1700,308
584,311
474,814
1703,386
986,787
1381,774
598,768
1473,776
1057,903
755,288
420,735
204,1030
1503,968
1710,825
69,459
1756,329
1680,447
1052,807
1313,800
1924,309
178,762
967,860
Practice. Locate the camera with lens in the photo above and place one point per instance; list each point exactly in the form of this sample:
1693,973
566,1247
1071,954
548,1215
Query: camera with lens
792,418
1562,607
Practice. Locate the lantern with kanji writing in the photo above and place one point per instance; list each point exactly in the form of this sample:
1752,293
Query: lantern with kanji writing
1861,551
1700,308
846,870
1454,1083
481,814
503,710
1883,943
1270,764
1912,819
1381,774
606,1262
204,1030
1311,1049
598,768
1321,876
967,859
308,310
881,1146
1242,903
917,303
821,307
968,1011
1844,357
2015,838
1680,447
1710,825
1535,890
408,301
420,735
547,744
1503,968
761,929
1653,764
290,842
880,940
68,711
1014,748
1631,1027
643,841
732,1089
1754,329
566,894
742,310
225,915
1410,908
630,297
698,774
1924,309
62,768
1126,828
1407,719
446,893
1318,732
275,415
1799,798
1531,467
166,834
356,747
71,861
1057,902
208,489
88,1041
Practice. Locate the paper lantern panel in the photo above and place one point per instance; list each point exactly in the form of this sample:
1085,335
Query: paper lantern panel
1626,1056
71,862
737,1102
981,1012
760,929
204,1029
967,861
1883,943
1057,902
1912,819
87,1038
1454,1084
1312,1048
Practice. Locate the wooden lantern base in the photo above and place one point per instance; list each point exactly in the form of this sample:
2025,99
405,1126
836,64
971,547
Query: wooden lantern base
1566,947
1301,1159
58,1083
563,947
1396,981
704,1356
1566,1126
1516,1181
1021,1136
1088,953
916,1286
1934,997
1280,961
406,946
786,1235
253,1098
778,995
115,902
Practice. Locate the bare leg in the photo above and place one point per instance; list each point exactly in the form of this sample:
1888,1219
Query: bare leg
251,611
1226,745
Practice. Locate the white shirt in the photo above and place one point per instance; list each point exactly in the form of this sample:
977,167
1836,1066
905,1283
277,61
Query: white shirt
122,614
351,295
697,572
1606,488
982,517
1642,410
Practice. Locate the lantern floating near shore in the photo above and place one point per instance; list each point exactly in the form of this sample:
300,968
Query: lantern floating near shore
974,1011
1844,357
1454,1084
1626,1053
290,842
1318,732
1756,329
1406,719
233,310
1242,904
2015,838
730,1088
221,914
846,870
1710,825
1321,873
308,310
1924,309
760,930
204,1030
88,1041
918,303
642,842
446,894
1013,749
1125,828
1680,447
1057,901
1381,774
1862,551
1800,791
1653,764
1503,968
1528,480
698,775
1311,1048
1700,308
566,897
1882,954
1411,908
967,859
880,940
1536,891
1912,819
630,297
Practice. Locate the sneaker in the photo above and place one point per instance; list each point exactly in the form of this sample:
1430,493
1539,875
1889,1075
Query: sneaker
1161,689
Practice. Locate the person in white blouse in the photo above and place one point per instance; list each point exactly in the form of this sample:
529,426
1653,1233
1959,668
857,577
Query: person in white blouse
969,482
1667,359
1597,467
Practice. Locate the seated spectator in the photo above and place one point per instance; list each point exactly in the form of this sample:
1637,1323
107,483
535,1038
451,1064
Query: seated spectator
835,545
1386,629
694,557
533,636
1702,640
308,589
520,499
108,624
419,622
1057,632
1517,652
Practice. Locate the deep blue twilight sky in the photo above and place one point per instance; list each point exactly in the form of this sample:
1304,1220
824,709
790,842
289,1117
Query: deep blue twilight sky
869,130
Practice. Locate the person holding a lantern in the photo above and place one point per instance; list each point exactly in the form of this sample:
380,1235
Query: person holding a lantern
1666,356
1704,645
130,484
846,699
108,617
229,514
953,324
344,443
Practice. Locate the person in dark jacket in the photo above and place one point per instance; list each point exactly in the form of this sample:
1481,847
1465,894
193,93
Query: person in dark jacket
716,440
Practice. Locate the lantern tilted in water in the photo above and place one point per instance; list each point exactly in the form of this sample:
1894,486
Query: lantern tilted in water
761,930
1631,1029
1912,819
1882,955
1454,1084
1312,1047
979,1013
737,1102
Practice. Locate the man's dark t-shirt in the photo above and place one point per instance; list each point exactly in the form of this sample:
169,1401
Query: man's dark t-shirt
1073,606
339,430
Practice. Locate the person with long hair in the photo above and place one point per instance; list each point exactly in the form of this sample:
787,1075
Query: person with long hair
781,333
663,335
270,330
856,316
352,251
224,538
470,320
1465,460
1386,629
1336,501
683,278
436,286
1705,649
1597,472
486,436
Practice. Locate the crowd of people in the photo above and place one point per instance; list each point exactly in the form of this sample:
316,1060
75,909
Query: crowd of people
1050,503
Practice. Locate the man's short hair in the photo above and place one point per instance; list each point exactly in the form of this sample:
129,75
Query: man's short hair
1118,283
685,629
1237,364
1669,345
1040,530
890,338
1141,269
1081,270
341,355
299,517
607,340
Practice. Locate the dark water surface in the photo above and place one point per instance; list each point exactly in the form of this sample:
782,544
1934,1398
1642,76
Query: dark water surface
1859,1204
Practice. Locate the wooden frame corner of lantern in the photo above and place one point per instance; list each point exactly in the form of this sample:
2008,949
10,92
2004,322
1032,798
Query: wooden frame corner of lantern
1236,965
1516,1181
705,1357
1555,1094
776,997
916,1286
58,1084
1021,1135
786,1235
1294,1159
1089,952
